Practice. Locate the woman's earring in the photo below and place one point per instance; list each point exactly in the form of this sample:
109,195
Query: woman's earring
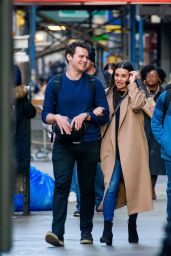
145,82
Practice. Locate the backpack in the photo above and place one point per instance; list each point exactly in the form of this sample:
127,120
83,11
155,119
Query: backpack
56,89
167,102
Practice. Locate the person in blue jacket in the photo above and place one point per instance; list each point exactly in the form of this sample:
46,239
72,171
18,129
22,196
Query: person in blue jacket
75,104
161,128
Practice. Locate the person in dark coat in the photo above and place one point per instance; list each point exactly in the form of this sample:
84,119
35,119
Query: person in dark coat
108,71
24,111
153,77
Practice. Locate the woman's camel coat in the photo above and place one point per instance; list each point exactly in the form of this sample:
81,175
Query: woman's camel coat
135,190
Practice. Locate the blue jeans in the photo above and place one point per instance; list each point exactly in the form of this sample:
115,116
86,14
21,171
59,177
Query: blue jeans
111,194
74,179
109,204
99,185
168,191
75,186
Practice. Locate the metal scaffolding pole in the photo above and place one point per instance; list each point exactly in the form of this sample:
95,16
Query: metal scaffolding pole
140,41
32,54
32,29
6,154
133,34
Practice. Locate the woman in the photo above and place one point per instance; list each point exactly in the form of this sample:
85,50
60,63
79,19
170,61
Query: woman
153,77
124,153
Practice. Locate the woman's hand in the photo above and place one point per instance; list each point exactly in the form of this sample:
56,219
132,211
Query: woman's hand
133,76
98,111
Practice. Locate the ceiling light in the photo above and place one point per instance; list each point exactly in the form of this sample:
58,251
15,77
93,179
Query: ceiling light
54,28
40,36
155,19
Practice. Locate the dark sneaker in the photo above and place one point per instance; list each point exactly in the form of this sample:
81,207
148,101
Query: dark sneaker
76,213
53,239
86,238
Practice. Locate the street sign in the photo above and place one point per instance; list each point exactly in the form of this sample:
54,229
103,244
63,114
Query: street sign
73,14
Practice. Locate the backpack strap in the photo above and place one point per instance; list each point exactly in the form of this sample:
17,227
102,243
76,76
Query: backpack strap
167,102
92,86
56,89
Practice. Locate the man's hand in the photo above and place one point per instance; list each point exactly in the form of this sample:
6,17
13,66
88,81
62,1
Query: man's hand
63,124
77,121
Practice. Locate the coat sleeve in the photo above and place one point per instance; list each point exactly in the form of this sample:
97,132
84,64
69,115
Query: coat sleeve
29,110
157,119
100,101
136,97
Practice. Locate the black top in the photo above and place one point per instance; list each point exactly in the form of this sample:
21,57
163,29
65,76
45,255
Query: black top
119,96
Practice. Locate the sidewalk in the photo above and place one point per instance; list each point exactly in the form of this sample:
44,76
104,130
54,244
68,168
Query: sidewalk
29,232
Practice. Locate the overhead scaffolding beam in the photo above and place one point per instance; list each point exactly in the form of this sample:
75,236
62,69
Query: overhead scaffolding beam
95,2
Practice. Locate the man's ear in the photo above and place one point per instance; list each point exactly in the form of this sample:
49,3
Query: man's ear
68,57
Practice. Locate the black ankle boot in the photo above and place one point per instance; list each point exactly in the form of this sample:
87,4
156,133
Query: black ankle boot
107,233
132,232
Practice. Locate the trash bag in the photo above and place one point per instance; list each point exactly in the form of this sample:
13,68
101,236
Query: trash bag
41,192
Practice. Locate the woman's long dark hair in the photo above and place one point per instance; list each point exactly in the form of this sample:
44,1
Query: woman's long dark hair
122,64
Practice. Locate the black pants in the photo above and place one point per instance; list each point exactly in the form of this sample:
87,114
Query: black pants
64,156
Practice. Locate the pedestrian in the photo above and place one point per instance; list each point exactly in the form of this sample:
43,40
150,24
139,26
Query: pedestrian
91,69
153,78
109,67
124,153
161,128
108,71
73,114
24,111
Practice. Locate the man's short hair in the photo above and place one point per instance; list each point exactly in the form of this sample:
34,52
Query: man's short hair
70,49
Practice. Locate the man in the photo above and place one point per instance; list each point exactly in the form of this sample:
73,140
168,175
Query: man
161,128
99,181
92,69
75,102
